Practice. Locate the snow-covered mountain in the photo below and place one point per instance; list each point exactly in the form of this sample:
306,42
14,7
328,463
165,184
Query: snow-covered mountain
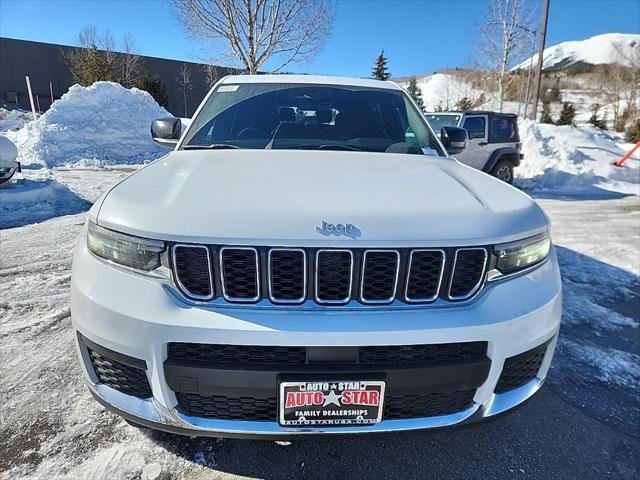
601,49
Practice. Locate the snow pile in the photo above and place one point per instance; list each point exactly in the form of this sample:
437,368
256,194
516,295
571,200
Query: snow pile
597,50
13,119
575,161
103,124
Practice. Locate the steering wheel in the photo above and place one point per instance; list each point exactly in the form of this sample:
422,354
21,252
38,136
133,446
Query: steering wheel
366,132
251,133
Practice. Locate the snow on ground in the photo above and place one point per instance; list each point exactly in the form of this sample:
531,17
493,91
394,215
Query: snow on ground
13,119
104,124
40,194
575,161
442,89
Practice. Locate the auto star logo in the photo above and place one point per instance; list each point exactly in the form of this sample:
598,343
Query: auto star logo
346,229
344,397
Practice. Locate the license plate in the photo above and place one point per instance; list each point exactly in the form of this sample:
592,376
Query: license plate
337,402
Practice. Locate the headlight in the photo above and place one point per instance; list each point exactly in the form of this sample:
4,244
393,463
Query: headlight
133,252
519,255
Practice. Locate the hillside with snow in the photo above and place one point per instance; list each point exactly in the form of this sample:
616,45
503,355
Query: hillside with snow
598,50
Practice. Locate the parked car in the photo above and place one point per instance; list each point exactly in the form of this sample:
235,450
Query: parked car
494,142
8,155
309,260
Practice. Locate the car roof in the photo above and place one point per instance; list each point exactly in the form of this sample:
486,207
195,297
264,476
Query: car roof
312,79
472,112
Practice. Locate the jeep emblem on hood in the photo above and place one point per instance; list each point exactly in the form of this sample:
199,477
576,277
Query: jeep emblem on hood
346,229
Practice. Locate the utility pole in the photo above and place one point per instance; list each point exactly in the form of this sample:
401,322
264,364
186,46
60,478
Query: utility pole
543,37
528,95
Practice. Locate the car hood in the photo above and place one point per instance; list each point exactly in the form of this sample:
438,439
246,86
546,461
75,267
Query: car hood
278,197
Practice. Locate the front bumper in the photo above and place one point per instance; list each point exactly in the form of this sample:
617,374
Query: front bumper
138,317
5,176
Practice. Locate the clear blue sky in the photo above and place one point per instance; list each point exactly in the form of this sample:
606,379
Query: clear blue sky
418,36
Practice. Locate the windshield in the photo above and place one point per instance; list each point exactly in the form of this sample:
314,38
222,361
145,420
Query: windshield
438,120
314,117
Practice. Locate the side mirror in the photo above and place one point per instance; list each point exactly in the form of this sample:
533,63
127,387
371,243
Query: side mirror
166,131
454,139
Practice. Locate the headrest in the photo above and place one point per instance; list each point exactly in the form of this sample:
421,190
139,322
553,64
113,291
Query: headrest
287,114
323,116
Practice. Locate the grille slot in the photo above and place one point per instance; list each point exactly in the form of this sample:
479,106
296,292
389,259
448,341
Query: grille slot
403,354
237,354
227,407
467,272
424,276
521,369
193,271
379,276
239,267
124,378
427,404
334,276
257,355
287,275
265,408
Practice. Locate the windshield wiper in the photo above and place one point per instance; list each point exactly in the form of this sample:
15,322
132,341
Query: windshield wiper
324,146
213,146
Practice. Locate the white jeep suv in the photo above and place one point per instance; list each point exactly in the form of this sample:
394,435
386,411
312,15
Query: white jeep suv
308,260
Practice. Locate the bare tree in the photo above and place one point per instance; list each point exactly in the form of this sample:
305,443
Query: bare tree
96,58
184,80
254,32
505,37
129,62
620,86
211,74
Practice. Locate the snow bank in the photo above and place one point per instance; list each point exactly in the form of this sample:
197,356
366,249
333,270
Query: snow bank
103,124
13,119
575,161
442,89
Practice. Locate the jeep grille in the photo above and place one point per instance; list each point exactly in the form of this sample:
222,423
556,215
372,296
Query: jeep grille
295,276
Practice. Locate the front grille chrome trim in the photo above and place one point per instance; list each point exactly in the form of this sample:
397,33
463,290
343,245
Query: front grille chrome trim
442,269
478,285
269,276
334,302
185,291
395,283
222,280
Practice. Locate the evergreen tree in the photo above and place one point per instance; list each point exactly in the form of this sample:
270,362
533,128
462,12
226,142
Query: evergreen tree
464,104
414,90
545,116
92,66
600,123
154,86
567,114
380,70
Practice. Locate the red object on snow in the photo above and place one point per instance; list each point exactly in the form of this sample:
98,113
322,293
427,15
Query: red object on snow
621,160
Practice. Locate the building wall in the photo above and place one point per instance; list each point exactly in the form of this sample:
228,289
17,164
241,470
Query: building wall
43,63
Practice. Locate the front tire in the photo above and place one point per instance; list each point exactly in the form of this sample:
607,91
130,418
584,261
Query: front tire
503,171
5,180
